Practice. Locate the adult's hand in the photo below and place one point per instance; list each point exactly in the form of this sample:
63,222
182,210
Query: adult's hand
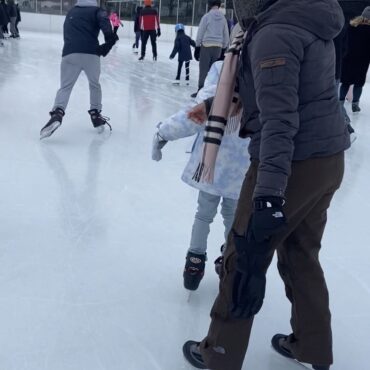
198,114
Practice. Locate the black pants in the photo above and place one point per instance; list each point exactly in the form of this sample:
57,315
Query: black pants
357,91
187,70
153,39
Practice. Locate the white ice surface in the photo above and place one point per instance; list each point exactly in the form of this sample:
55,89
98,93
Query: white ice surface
93,233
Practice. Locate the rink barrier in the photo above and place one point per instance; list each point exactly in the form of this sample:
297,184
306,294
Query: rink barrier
50,23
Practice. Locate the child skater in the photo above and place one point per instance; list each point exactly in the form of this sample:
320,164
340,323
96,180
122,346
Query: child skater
182,47
116,22
231,167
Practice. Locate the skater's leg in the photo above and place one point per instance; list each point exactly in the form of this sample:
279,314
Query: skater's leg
13,31
153,40
187,70
204,60
206,212
228,208
137,39
144,40
343,91
179,68
115,29
357,91
70,69
91,67
300,269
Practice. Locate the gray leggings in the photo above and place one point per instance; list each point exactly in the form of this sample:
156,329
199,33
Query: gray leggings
206,212
70,69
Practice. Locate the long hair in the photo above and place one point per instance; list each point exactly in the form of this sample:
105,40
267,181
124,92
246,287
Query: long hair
360,20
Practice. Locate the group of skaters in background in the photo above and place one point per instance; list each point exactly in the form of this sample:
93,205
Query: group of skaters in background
10,16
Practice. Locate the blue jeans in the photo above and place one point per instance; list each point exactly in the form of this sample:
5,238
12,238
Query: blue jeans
206,212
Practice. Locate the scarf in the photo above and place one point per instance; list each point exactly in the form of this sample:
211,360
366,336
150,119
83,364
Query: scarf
225,113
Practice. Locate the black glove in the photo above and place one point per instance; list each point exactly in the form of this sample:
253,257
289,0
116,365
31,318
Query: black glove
158,32
254,254
268,217
197,53
105,48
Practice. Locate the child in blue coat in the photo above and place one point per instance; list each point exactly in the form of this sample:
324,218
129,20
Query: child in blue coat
182,47
231,167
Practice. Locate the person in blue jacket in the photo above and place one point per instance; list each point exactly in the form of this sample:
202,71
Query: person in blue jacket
82,52
182,47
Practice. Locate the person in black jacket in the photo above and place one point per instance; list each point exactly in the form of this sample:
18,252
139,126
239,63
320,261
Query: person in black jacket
182,47
4,6
81,52
356,61
135,45
12,11
3,22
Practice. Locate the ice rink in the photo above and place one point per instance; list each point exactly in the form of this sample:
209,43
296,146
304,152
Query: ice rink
93,233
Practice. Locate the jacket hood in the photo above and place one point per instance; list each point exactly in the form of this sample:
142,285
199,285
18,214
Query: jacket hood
216,14
323,18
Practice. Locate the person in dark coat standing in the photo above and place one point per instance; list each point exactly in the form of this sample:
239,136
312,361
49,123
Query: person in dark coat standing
182,47
149,26
12,9
6,15
298,138
81,53
356,62
3,22
135,45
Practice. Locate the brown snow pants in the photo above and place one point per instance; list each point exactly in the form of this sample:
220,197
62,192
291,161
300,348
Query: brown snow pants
310,189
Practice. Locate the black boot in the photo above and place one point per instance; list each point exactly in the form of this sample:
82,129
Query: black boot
192,354
54,122
194,270
98,120
278,341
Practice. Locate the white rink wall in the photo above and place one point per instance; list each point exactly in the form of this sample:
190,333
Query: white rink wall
47,23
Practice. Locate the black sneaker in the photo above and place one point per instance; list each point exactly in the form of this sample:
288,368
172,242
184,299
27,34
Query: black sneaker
54,122
192,354
277,343
98,120
356,108
194,270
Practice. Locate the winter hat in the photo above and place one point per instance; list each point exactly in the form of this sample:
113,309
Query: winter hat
87,3
366,12
148,2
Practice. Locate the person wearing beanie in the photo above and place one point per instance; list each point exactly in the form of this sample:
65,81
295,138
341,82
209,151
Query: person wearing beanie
212,38
149,27
81,53
281,68
182,47
356,62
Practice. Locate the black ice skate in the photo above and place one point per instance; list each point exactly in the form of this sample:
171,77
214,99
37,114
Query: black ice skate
356,108
141,58
54,122
194,270
193,355
98,120
277,343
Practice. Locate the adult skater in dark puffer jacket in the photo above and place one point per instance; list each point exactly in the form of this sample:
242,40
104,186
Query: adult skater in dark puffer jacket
298,137
82,52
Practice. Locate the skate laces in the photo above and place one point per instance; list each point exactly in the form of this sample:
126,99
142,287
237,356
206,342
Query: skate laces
106,121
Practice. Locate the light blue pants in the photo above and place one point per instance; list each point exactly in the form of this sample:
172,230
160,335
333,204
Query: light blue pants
206,212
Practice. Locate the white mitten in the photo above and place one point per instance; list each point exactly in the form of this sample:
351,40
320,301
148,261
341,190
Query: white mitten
158,144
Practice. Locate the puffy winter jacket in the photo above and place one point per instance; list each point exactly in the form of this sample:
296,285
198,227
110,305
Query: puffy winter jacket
287,86
114,19
81,30
232,159
149,20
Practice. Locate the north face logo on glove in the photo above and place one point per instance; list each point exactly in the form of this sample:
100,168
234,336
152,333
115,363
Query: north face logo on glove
278,214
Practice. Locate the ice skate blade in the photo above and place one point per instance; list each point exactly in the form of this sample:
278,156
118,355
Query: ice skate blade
48,131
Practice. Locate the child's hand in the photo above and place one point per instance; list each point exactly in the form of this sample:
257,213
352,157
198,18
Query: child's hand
198,114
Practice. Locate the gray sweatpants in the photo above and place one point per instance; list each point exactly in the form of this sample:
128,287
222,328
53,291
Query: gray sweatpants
206,212
208,55
71,67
